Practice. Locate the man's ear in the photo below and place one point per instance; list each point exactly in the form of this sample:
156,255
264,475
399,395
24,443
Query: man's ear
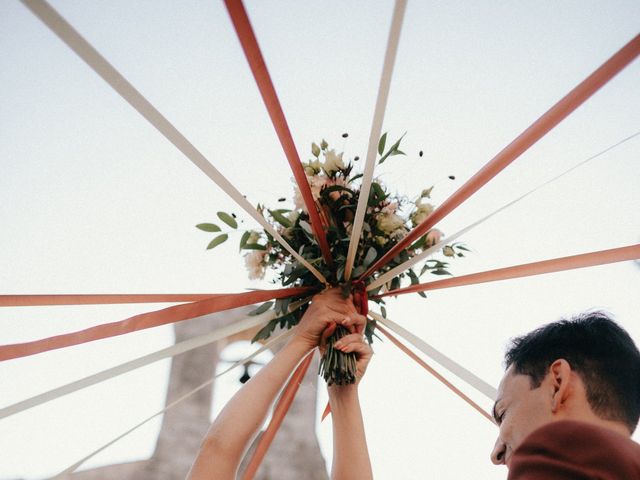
560,377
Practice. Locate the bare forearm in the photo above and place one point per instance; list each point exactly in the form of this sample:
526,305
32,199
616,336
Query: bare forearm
350,453
231,433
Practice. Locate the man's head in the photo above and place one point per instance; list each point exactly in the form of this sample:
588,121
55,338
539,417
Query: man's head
586,368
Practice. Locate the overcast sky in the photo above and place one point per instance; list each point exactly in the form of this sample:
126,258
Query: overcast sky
94,200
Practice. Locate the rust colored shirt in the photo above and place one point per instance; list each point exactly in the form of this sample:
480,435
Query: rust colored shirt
575,451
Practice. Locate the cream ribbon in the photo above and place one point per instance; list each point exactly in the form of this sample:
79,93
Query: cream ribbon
376,128
269,344
437,356
384,278
52,19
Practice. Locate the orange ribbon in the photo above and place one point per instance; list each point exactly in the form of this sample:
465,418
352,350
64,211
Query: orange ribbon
631,252
252,51
48,300
526,139
147,320
279,412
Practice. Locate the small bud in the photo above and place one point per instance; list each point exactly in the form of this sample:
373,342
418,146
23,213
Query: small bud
324,144
426,193
420,153
345,135
315,149
448,251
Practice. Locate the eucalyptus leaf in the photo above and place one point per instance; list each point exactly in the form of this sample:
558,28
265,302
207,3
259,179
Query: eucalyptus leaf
306,227
217,241
228,219
261,309
381,143
280,218
244,238
370,256
208,227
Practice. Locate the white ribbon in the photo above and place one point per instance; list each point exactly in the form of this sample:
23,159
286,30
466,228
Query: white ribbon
52,19
376,128
136,363
269,344
382,279
454,367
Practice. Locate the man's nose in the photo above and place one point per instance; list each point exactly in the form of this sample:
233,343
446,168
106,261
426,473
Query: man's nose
499,452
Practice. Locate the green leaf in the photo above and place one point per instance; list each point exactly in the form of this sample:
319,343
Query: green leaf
280,218
440,271
383,311
422,294
306,227
462,247
369,257
413,277
265,332
228,219
355,177
244,238
208,227
261,309
217,241
381,143
253,246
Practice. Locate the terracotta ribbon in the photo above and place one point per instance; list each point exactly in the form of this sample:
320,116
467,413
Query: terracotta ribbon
424,365
601,257
252,51
146,320
526,139
48,300
280,411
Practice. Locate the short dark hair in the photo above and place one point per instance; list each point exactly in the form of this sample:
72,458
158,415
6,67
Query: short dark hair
598,349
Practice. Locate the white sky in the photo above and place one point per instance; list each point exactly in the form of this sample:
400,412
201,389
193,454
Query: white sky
94,200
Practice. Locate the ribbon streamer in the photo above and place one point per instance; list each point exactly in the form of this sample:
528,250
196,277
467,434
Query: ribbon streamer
376,128
261,75
146,320
426,253
268,345
526,139
49,300
424,365
280,411
176,349
439,357
58,25
620,254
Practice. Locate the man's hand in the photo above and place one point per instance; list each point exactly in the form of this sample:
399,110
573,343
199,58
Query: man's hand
328,310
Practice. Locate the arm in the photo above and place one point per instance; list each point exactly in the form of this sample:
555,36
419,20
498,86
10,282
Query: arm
233,430
350,453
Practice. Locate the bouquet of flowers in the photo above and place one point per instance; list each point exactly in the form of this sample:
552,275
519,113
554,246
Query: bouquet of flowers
335,186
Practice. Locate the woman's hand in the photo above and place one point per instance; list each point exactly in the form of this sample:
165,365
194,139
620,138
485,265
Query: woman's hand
328,310
355,342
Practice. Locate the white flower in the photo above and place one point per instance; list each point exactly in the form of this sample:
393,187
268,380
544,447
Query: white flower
254,261
422,212
390,207
316,183
433,237
399,233
389,222
332,162
313,167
